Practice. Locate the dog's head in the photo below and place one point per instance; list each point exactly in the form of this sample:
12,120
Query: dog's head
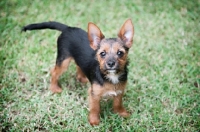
111,53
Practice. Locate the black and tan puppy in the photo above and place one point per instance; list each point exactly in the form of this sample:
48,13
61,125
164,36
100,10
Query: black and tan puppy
102,61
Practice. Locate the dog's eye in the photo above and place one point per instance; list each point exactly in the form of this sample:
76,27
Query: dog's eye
120,53
103,54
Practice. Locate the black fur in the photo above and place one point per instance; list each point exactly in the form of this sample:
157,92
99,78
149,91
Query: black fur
73,42
45,25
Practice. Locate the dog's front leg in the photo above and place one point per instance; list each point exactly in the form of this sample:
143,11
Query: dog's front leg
94,105
118,106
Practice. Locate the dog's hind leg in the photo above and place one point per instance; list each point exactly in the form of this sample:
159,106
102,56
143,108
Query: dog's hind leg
56,72
80,76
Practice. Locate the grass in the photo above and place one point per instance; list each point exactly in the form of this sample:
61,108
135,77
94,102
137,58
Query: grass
163,92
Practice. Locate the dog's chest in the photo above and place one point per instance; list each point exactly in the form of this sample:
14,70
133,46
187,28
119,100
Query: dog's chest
112,90
114,78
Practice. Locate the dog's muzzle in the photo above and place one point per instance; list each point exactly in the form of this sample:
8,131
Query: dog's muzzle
111,66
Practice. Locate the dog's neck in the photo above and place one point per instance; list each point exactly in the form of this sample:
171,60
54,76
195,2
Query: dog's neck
112,77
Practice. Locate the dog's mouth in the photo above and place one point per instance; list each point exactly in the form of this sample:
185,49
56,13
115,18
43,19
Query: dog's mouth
112,71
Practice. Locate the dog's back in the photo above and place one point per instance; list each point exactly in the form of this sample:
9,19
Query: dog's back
72,43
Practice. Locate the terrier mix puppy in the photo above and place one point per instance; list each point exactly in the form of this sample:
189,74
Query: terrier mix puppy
102,61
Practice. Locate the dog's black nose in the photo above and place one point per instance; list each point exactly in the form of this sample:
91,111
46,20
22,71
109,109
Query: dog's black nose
110,63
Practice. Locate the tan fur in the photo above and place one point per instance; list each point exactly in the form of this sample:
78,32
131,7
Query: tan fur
111,64
80,76
111,50
96,92
56,72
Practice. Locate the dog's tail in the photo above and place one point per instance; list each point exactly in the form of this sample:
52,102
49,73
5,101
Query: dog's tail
45,25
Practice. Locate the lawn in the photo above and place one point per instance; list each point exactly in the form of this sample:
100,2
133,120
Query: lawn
163,91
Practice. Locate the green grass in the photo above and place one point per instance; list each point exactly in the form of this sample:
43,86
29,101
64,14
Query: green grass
163,92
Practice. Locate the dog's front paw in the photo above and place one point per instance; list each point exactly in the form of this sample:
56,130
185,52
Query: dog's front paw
122,112
94,119
55,89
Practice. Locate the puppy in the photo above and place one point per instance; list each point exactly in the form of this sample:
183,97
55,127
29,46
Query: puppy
101,61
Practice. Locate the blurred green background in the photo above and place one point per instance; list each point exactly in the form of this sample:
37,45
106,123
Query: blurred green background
163,90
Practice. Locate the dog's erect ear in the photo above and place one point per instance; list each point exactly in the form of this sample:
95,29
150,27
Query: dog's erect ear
94,35
126,33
